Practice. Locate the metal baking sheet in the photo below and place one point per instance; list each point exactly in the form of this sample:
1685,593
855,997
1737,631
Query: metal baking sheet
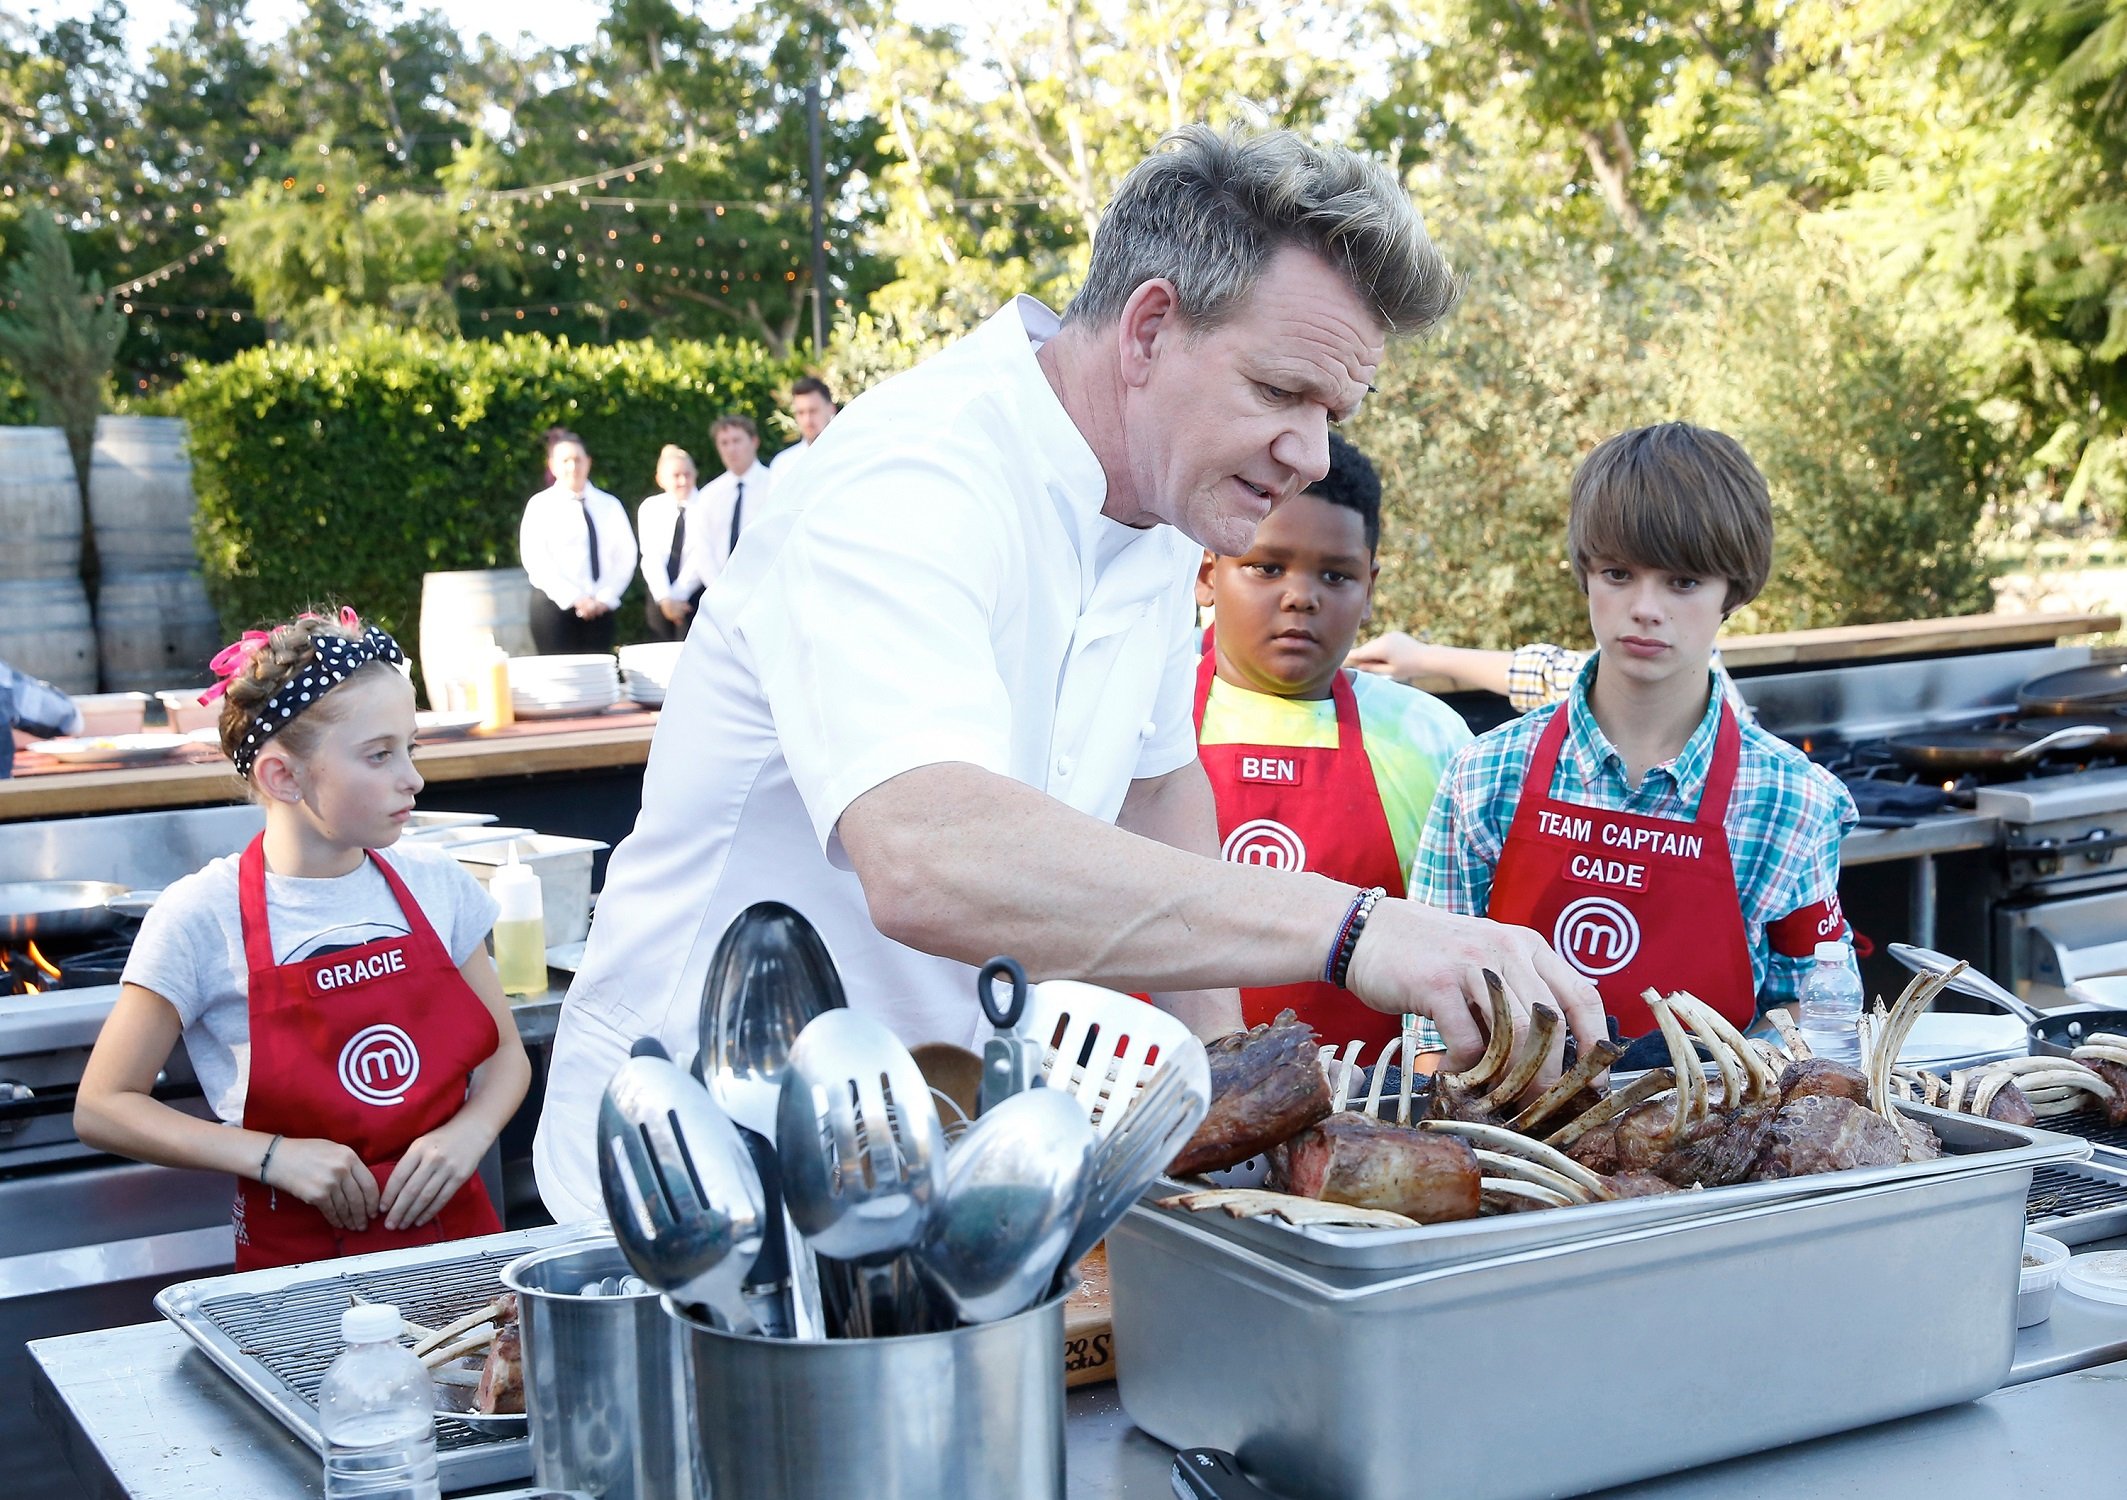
2078,1202
2002,1148
275,1332
1727,1333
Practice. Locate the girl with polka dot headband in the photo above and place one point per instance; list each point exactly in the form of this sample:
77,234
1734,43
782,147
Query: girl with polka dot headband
339,1006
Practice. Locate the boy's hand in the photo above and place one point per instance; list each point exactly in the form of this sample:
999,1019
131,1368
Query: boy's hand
1415,957
329,1177
433,1168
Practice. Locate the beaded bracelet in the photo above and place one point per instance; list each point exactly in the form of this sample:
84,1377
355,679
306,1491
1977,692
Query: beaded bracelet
1354,923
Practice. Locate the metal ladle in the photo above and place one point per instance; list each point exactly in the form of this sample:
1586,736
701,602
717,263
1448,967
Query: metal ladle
1015,1187
861,1148
679,1186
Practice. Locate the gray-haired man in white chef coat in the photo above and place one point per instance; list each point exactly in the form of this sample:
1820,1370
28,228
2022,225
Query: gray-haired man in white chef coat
940,702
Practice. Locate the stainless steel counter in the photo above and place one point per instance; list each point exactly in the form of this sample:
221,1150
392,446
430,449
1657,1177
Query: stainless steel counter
143,1416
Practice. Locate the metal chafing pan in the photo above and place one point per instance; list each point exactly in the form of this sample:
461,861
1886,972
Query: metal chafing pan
274,1332
1431,1246
1558,1366
56,908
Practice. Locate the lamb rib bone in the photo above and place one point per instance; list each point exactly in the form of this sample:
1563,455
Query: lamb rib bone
1507,1142
1650,1083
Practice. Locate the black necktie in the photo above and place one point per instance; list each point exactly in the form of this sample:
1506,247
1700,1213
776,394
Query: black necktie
679,543
590,531
738,506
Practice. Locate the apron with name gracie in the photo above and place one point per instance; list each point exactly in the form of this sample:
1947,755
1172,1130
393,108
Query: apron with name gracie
1292,808
1632,902
371,1047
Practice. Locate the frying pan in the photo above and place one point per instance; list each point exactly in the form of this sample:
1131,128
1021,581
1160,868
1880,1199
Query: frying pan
56,908
1984,749
2053,1033
2114,724
2100,685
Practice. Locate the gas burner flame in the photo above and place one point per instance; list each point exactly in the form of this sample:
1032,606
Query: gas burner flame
26,973
51,970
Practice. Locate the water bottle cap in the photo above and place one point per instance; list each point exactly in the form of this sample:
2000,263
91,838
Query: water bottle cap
1833,952
370,1323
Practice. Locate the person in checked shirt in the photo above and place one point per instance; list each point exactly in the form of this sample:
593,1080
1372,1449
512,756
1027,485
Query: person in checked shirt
1655,837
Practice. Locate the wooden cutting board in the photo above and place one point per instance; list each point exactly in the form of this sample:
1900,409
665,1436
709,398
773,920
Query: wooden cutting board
1089,1325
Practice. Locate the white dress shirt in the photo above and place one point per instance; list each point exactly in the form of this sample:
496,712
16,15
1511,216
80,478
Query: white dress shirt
556,549
655,520
716,499
936,585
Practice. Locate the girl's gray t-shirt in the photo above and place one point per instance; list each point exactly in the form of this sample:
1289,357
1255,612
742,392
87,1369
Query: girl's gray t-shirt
190,949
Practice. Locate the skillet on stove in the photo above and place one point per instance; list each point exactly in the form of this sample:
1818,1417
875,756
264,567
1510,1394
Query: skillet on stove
1959,750
2101,685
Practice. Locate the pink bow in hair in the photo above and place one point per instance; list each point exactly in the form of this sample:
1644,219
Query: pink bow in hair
230,660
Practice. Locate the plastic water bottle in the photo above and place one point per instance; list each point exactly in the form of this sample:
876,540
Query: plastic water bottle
378,1411
1831,1005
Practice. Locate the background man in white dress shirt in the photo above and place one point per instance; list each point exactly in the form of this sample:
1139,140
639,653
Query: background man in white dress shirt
579,551
941,704
732,501
812,407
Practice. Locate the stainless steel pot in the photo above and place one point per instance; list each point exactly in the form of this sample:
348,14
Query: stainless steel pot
604,1387
978,1411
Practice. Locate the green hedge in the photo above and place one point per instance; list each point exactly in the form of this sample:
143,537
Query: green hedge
349,471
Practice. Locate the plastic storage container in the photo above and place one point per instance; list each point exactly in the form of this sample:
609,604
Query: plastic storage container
377,1409
563,866
1830,1012
2034,1293
2100,1276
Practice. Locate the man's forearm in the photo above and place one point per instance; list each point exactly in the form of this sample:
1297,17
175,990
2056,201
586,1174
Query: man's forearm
964,863
1180,811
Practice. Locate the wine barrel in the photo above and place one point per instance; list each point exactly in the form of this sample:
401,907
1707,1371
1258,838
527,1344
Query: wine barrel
40,505
155,630
45,631
140,495
457,607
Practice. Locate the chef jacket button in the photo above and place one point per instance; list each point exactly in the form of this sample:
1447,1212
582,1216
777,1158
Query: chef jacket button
1063,765
1146,730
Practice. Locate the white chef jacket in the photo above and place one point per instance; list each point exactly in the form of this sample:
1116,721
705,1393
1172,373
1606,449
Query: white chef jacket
783,462
714,515
936,585
655,519
557,553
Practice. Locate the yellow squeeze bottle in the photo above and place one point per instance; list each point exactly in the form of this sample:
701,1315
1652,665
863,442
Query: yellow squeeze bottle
492,691
520,928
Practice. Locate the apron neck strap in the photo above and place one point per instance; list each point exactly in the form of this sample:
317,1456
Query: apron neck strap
251,899
1340,694
1720,774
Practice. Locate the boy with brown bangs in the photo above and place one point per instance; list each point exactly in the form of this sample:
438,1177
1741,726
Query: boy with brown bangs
1652,836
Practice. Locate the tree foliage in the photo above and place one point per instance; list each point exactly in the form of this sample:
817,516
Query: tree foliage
57,331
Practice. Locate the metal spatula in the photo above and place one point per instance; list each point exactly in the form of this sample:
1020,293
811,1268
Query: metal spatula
679,1186
1100,1046
1147,1135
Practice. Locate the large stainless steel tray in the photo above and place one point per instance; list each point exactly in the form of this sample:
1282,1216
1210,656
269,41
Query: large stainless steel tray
1557,1368
1430,1245
275,1332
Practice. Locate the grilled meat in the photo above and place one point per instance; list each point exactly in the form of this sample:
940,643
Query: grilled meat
501,1388
1356,1159
1267,1085
1826,1133
1823,1075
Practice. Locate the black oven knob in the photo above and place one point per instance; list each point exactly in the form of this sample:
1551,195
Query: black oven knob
12,1092
2102,846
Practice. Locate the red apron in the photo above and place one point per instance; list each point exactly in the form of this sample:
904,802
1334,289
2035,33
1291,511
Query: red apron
1305,809
371,1047
1632,902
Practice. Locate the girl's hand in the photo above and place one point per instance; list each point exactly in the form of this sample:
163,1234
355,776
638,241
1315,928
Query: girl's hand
433,1168
1392,655
327,1176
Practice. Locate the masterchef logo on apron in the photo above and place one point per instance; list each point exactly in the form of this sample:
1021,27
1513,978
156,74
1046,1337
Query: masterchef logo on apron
1597,936
1266,842
379,1064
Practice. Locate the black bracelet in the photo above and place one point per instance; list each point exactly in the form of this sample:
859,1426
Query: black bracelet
267,1160
1340,952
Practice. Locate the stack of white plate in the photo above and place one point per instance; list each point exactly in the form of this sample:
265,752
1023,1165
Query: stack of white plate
554,687
646,670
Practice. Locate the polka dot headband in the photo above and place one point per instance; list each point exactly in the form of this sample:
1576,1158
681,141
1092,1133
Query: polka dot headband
336,659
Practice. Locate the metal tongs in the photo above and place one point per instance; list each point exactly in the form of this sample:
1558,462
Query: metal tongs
1011,1062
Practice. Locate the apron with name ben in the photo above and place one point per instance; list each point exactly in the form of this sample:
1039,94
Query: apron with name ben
1293,808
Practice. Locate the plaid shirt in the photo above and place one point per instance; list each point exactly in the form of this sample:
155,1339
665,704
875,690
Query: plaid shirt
1542,674
1785,819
